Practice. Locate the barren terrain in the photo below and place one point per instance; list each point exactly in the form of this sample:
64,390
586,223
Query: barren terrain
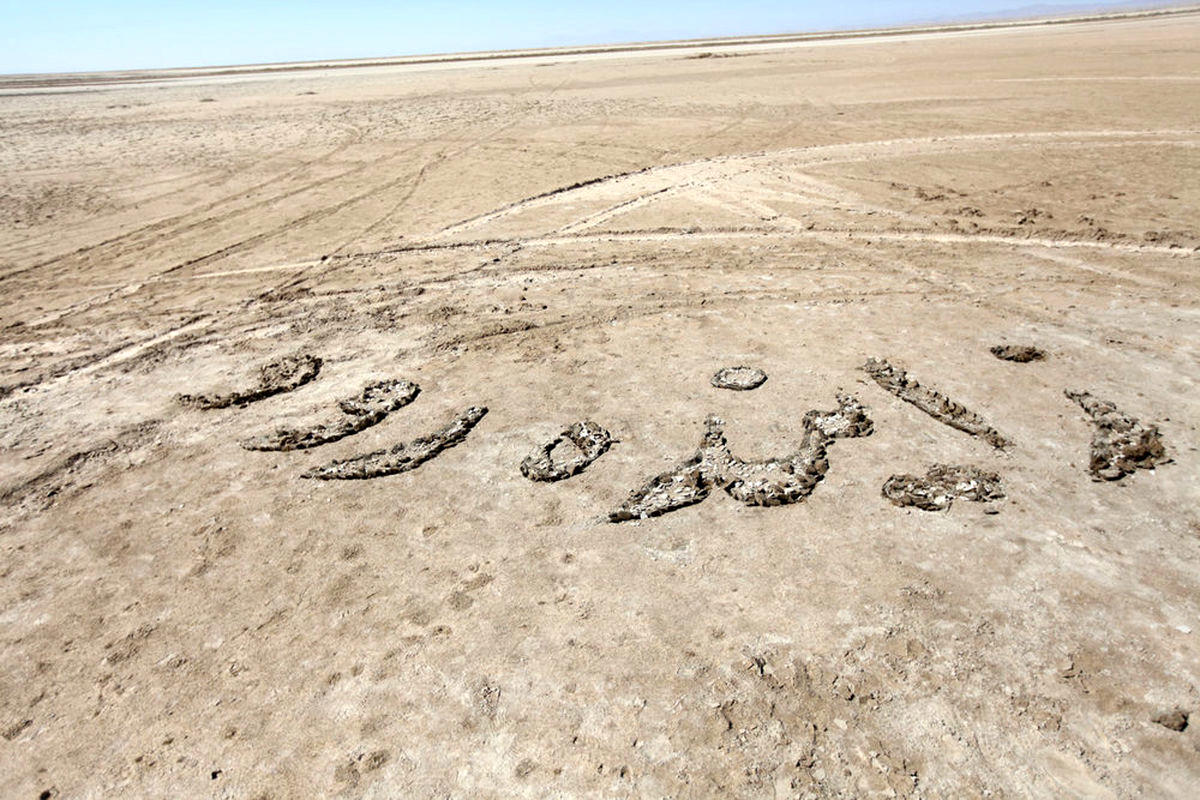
295,501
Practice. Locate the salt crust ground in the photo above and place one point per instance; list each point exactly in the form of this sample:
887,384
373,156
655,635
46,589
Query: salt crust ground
562,240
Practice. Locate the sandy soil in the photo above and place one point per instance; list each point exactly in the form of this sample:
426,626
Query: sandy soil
572,240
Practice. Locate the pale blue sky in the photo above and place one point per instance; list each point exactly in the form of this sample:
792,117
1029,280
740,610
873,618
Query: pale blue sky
70,35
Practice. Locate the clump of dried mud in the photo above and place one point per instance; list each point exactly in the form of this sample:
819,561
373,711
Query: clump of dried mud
1121,444
1175,720
740,379
277,377
590,442
771,482
1022,354
933,403
938,488
371,407
402,457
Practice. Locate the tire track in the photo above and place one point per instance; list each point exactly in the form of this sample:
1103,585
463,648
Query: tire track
288,225
159,229
812,155
419,178
119,353
531,202
831,236
751,233
618,209
262,236
573,232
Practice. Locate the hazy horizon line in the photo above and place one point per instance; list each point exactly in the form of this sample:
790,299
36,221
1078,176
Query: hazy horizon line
1026,15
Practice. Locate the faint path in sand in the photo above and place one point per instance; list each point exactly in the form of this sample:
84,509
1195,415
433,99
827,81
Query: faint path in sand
654,180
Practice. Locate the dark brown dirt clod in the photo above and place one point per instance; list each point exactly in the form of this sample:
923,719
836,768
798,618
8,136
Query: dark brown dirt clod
1022,354
590,441
402,457
938,488
770,482
280,376
1121,443
371,407
933,403
1176,720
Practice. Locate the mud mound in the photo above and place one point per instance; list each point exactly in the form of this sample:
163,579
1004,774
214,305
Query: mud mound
740,379
941,485
402,457
1121,444
685,485
370,408
590,442
933,403
770,482
1020,353
1175,720
849,421
277,377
